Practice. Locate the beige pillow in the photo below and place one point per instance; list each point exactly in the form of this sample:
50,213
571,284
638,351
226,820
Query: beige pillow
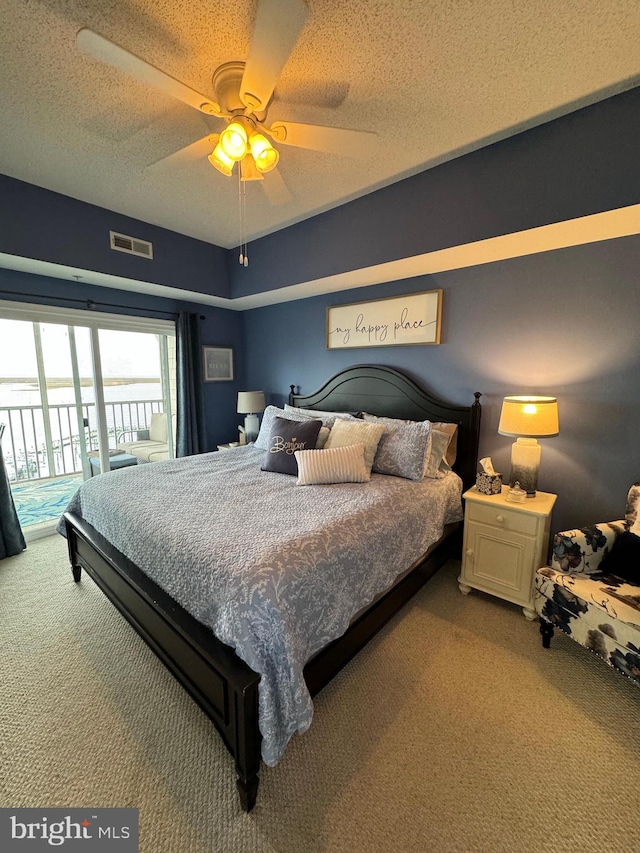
344,433
452,447
336,465
439,443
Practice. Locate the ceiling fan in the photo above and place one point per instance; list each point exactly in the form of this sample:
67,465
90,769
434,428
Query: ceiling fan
243,92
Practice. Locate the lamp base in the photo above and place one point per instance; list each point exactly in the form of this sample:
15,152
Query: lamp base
251,427
525,464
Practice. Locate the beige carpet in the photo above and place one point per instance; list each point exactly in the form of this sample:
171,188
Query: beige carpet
452,731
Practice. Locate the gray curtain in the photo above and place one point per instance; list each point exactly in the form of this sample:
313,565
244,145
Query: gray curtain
11,538
190,438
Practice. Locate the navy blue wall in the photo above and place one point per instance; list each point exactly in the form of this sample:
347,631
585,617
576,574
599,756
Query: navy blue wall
580,164
565,323
47,226
218,328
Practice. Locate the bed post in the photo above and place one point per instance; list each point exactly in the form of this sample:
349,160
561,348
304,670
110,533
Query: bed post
247,746
76,569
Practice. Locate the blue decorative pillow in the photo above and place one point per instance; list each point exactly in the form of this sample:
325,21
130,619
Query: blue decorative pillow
286,437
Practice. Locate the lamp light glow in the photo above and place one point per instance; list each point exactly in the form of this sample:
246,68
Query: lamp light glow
263,152
528,418
233,140
220,161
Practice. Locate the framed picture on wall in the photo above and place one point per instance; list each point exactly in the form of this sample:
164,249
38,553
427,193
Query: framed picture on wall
391,321
217,364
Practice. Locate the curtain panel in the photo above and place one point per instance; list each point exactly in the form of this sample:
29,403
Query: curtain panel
11,538
190,438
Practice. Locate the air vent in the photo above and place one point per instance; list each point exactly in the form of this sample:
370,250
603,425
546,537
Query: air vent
122,243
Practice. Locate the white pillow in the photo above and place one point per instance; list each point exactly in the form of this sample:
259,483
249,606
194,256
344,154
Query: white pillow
158,427
344,433
336,465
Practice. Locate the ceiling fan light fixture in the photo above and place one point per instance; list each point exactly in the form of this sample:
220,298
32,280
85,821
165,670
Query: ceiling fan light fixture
263,153
233,140
220,161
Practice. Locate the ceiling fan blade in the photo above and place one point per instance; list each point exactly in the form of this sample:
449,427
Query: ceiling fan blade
276,29
275,188
100,48
196,151
334,140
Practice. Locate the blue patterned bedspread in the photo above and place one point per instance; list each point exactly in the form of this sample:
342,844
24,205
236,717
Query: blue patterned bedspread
275,570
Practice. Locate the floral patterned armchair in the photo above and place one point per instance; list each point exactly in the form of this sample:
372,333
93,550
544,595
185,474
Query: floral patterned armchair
594,606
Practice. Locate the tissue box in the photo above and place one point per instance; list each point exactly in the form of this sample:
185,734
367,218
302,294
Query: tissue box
489,484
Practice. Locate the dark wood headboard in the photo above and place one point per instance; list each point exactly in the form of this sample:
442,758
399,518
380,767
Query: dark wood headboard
386,392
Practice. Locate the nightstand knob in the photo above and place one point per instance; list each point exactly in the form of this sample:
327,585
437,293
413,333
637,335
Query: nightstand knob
500,518
469,553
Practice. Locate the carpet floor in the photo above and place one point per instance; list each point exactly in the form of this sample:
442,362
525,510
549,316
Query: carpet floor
452,731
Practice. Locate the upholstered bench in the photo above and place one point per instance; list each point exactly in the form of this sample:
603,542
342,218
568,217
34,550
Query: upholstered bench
591,591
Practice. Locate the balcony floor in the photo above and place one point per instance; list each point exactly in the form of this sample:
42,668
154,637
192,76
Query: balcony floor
43,501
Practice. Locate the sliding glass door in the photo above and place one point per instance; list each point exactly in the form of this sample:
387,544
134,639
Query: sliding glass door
70,392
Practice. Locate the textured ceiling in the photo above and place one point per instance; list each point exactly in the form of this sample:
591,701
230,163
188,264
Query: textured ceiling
449,75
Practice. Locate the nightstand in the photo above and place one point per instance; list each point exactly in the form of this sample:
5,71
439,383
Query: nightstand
231,446
504,544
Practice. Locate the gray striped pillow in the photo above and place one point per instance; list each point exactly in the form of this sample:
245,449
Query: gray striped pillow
336,465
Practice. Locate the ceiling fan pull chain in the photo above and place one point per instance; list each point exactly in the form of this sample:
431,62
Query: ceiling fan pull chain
244,223
241,257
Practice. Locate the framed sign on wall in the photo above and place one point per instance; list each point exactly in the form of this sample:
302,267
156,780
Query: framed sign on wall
393,321
217,364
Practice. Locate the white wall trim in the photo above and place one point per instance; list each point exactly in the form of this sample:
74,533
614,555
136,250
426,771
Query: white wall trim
622,222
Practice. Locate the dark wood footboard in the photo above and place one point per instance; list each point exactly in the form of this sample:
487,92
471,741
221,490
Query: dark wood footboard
223,685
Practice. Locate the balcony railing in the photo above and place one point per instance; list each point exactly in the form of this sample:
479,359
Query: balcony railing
35,449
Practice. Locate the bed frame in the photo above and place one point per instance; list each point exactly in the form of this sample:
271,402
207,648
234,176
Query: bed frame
223,685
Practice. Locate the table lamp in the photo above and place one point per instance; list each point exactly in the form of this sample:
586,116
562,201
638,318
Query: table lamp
249,404
528,418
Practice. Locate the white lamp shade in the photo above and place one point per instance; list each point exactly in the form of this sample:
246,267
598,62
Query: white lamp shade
250,402
531,417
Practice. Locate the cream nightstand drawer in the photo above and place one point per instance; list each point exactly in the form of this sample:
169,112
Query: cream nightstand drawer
503,517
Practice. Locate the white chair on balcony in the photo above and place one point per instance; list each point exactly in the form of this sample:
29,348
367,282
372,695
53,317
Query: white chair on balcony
150,445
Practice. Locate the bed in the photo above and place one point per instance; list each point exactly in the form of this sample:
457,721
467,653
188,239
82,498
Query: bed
257,713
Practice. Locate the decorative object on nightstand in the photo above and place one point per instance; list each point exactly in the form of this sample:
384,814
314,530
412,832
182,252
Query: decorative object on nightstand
528,418
488,482
516,494
250,403
230,446
504,544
